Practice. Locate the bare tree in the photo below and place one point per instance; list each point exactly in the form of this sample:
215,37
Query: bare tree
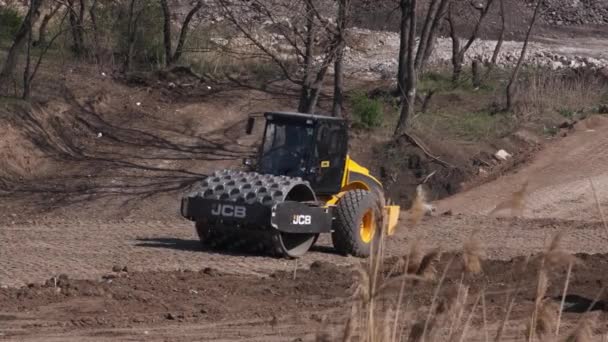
437,10
342,21
522,56
42,30
501,38
77,18
408,86
133,22
172,57
312,40
28,77
459,52
23,34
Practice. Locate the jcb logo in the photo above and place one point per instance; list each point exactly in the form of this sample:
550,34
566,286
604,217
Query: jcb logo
228,210
302,219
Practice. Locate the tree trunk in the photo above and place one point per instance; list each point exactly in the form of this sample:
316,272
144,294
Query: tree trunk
10,63
131,33
76,25
338,65
95,29
475,69
28,59
184,32
167,32
407,109
42,30
520,61
430,43
456,55
305,103
426,31
403,47
501,38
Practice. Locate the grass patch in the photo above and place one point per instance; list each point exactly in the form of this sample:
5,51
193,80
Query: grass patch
10,21
367,112
470,126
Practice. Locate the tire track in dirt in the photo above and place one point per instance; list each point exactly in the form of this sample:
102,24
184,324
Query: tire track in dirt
36,252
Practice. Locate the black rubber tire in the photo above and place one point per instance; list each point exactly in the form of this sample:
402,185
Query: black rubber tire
349,213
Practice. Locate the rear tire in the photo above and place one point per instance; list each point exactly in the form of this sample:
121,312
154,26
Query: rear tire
354,228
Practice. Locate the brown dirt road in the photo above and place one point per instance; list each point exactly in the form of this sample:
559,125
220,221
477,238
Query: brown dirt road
558,179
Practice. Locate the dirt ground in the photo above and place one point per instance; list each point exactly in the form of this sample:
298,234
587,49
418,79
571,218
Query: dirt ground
92,247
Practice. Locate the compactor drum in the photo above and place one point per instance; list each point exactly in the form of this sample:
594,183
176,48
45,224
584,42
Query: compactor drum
302,184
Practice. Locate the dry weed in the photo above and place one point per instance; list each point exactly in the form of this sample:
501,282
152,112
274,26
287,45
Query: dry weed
419,206
544,321
583,332
472,254
515,204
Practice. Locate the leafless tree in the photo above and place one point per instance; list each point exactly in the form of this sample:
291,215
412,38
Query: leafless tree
342,22
77,18
407,86
28,73
42,30
21,38
134,15
501,38
311,39
522,56
459,52
172,57
436,11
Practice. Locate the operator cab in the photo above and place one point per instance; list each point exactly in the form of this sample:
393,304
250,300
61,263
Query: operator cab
312,147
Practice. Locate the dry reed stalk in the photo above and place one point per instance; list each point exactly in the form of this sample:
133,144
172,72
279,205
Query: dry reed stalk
418,209
583,332
472,254
515,203
469,318
485,316
351,325
563,301
599,207
546,318
429,317
511,301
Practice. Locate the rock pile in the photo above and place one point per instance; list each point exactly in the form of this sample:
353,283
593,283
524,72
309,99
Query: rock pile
575,12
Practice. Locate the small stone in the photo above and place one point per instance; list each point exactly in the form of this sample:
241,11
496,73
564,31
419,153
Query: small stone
170,316
116,268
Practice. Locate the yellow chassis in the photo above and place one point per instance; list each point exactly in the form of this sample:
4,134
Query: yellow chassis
358,177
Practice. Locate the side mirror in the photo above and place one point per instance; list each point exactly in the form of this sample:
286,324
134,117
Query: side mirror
250,123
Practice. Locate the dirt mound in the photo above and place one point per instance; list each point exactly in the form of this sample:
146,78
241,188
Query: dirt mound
558,178
19,156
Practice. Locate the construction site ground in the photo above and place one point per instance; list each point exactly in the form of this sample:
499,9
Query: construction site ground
92,247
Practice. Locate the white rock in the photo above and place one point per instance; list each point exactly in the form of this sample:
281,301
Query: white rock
502,155
99,135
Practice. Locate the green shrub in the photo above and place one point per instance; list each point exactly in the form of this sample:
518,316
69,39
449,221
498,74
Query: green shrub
566,112
10,20
368,112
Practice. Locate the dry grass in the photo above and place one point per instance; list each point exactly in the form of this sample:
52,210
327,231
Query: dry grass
455,305
564,94
515,203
